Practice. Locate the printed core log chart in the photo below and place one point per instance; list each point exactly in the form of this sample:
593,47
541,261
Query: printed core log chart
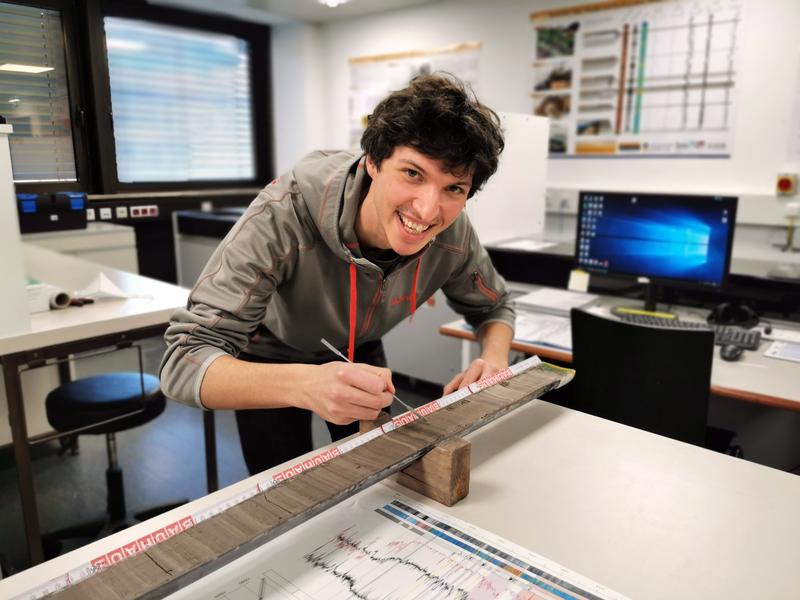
383,546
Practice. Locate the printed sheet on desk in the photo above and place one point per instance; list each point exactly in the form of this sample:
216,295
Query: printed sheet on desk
555,301
543,329
784,351
382,545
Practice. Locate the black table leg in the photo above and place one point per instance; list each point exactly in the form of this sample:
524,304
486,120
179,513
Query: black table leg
211,451
22,454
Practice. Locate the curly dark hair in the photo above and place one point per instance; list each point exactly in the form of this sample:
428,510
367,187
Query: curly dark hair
440,117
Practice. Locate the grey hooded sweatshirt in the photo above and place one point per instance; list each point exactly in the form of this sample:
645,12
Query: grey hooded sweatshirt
290,272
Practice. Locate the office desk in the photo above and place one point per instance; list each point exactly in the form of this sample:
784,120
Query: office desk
55,334
753,378
642,514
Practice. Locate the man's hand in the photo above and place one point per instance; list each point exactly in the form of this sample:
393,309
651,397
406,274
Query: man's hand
341,393
495,339
477,369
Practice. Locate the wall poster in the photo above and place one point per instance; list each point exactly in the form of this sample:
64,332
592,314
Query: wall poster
372,78
638,78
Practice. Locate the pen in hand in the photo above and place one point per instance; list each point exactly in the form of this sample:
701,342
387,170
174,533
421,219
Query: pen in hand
333,349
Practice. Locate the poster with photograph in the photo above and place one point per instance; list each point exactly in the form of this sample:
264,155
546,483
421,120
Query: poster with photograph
372,78
640,79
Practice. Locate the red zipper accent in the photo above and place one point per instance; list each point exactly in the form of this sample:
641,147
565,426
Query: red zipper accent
414,287
376,300
351,335
484,289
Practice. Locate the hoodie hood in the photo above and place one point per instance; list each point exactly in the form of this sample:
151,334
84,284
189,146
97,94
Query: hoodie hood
333,185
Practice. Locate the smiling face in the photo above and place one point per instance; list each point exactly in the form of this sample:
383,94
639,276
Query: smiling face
410,200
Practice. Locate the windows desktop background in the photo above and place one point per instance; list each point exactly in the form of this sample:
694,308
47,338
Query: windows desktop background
675,237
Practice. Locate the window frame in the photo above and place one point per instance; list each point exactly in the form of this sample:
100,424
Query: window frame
257,36
76,100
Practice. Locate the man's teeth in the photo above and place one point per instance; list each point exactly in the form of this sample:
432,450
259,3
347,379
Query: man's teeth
411,226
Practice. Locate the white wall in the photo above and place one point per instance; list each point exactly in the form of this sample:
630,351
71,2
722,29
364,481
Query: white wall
767,81
298,98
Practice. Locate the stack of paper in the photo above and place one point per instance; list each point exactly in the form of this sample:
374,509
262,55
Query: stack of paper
555,301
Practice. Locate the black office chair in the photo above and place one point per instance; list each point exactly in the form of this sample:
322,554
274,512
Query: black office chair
104,404
652,378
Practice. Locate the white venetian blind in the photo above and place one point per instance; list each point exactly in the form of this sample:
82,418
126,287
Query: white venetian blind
35,103
181,103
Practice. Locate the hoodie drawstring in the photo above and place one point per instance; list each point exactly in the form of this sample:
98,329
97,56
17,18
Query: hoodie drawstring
351,340
414,288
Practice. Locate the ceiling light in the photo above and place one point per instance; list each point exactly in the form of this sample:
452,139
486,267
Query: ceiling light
332,3
24,68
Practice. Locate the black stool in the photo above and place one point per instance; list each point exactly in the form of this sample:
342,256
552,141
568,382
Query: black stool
104,404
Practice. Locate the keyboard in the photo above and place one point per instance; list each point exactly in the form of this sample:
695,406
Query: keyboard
724,335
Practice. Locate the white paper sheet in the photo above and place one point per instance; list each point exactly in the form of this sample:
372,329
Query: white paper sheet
784,351
528,245
555,301
549,330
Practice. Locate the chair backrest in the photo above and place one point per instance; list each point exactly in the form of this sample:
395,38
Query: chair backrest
656,379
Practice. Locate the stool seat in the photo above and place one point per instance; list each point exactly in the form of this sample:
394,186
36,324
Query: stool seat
89,400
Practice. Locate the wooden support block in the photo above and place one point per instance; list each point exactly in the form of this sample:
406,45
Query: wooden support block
441,475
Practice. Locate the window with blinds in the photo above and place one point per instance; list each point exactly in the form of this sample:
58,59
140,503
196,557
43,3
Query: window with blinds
181,103
34,96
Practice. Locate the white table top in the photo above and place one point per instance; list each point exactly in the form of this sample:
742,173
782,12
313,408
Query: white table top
154,303
642,514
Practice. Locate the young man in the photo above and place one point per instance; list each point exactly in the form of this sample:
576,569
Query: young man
344,247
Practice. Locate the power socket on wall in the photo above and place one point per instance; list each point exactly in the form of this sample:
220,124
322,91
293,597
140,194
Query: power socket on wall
144,211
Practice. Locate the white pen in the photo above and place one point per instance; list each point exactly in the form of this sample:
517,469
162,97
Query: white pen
333,349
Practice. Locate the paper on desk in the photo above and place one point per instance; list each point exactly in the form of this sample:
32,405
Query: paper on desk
529,245
784,351
549,330
555,301
102,288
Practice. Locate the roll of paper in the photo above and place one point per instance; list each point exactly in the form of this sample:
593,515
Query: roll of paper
58,298
43,297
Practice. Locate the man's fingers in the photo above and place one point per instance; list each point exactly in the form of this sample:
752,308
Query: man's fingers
370,380
477,369
369,384
473,372
359,413
382,372
452,386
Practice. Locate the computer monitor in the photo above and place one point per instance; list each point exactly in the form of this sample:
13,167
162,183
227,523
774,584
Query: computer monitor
669,239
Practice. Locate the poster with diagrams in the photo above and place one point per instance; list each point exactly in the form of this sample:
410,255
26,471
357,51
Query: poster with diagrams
640,79
372,78
383,546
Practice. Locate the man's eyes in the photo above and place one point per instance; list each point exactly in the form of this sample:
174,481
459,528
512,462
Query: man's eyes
452,189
